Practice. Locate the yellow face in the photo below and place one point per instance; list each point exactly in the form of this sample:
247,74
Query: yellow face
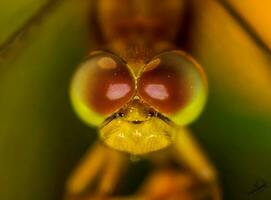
138,112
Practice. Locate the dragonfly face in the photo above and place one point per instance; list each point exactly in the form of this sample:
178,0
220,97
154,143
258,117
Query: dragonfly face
138,110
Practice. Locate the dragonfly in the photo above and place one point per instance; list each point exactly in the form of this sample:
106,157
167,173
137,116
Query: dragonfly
141,91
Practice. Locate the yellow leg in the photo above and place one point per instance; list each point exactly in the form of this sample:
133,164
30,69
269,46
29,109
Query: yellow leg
188,152
101,166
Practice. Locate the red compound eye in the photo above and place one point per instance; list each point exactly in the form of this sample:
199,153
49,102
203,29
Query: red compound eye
172,82
102,85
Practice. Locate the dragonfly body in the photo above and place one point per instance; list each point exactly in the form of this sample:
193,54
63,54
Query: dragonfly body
140,90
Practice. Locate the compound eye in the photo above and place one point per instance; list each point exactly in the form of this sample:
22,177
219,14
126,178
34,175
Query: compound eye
175,85
101,86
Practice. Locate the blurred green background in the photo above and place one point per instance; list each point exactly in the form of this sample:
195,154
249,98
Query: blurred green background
41,139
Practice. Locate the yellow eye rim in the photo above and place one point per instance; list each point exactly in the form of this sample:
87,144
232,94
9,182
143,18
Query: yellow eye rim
193,110
87,115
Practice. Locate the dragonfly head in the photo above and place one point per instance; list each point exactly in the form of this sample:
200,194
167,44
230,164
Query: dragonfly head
138,111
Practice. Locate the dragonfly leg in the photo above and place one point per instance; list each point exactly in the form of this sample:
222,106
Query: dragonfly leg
97,175
188,152
167,183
